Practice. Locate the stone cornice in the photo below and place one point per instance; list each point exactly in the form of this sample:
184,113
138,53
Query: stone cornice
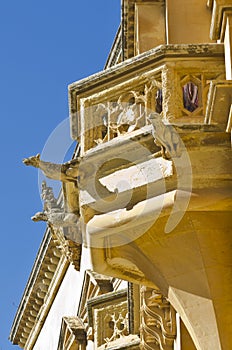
138,65
46,276
17,327
47,302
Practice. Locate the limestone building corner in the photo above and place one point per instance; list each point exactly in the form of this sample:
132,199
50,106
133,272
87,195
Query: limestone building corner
137,253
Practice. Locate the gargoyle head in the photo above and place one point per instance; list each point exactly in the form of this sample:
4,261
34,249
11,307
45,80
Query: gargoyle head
40,216
33,161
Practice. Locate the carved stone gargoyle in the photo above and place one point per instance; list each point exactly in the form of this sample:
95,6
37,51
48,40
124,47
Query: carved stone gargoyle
76,171
52,212
67,172
165,136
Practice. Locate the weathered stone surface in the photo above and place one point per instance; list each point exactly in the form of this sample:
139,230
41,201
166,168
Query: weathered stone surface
152,213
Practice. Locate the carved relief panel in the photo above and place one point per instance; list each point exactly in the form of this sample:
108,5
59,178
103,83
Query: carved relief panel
122,112
111,324
158,321
177,90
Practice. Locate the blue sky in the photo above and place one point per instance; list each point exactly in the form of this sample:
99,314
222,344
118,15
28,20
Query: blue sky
45,46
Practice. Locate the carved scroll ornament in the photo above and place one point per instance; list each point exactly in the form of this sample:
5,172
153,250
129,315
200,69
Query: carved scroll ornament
158,321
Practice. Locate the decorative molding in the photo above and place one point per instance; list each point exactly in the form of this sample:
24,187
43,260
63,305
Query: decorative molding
135,66
72,333
128,14
221,7
56,252
94,285
108,317
158,321
46,276
69,246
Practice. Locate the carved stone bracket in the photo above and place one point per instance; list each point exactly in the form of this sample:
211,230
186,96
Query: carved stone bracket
69,247
72,333
158,321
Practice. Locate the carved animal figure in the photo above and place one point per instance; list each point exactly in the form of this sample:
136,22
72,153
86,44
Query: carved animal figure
81,173
57,218
64,172
165,136
52,212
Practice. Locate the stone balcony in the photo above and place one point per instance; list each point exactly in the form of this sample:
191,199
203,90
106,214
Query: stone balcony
161,221
157,80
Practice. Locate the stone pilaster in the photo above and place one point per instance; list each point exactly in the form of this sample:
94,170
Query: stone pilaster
158,321
169,91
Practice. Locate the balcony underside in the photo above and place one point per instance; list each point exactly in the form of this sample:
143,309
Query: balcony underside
190,262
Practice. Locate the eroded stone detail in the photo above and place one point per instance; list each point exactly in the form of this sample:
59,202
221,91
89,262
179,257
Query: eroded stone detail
169,92
111,323
68,241
77,171
158,321
122,113
67,172
94,285
53,213
119,325
165,136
